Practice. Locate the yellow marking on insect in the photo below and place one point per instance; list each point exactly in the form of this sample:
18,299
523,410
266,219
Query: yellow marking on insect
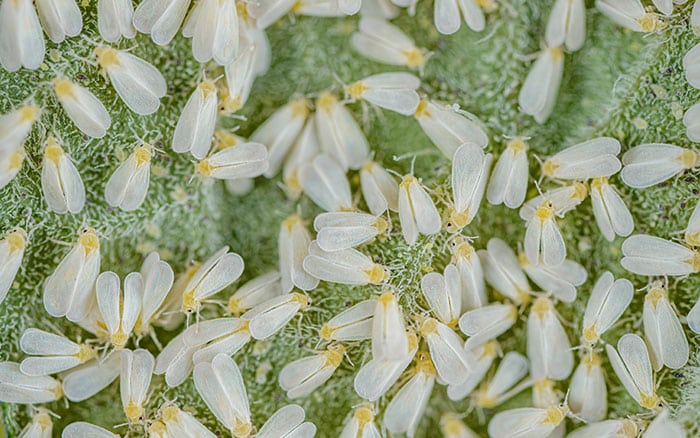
429,327
590,334
545,211
16,159
422,110
414,58
300,108
549,167
376,274
291,221
326,101
107,56
424,364
541,306
133,411
555,415
204,167
29,113
85,353
357,89
89,241
143,154
301,299
63,87
334,355
517,144
17,240
53,151
656,294
689,158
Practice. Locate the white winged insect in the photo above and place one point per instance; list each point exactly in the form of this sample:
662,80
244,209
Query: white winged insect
82,107
527,422
470,171
691,120
128,185
444,294
392,91
287,422
213,27
564,199
607,303
60,181
157,277
508,184
630,14
471,274
481,358
452,426
254,292
663,331
548,346
324,181
693,318
302,376
115,19
16,125
40,427
343,230
339,134
448,14
417,211
345,266
381,41
502,271
244,160
567,25
82,429
633,367
195,127
406,408
447,128
293,247
10,164
21,40
621,428
353,324
17,387
653,163
221,386
591,159
139,84
174,422
269,317
137,368
691,65
240,75
60,19
511,370
611,214
538,94
161,19
649,255
380,190
695,17
92,377
486,323
560,281
588,394
175,361
215,336
12,248
304,150
378,375
216,273
68,291
451,361
280,130
543,240
361,424
389,340
51,354
119,309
